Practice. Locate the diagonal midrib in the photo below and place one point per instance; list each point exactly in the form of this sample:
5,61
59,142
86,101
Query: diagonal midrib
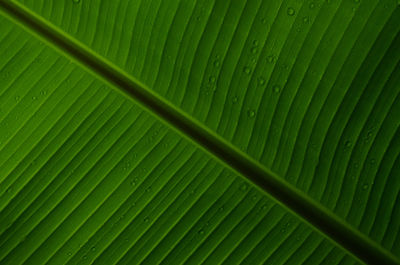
285,194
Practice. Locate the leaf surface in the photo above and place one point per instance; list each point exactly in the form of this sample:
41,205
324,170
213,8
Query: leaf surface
310,90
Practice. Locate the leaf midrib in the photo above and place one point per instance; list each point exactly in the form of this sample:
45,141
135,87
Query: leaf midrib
322,219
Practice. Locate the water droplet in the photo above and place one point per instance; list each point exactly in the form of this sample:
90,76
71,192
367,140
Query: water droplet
69,253
9,190
276,89
251,113
291,11
254,198
17,98
312,5
212,79
85,257
43,92
306,20
270,59
234,99
254,50
372,161
264,21
133,183
255,42
216,63
146,220
357,1
247,70
243,187
365,186
261,81
264,207
221,208
148,189
201,232
347,144
93,248
76,1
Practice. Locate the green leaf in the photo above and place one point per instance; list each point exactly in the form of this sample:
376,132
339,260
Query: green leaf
307,90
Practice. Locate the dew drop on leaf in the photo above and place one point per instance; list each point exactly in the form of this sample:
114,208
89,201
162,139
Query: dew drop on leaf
312,5
201,232
365,186
146,220
254,50
93,249
347,144
251,113
212,79
247,70
270,59
276,89
76,1
243,187
255,42
261,81
291,11
216,63
69,254
234,99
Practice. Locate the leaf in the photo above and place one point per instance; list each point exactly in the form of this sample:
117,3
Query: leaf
309,90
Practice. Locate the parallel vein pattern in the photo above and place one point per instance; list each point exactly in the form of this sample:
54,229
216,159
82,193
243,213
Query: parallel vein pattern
310,89
88,177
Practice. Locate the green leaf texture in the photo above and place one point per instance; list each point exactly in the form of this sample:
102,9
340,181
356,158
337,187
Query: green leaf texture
308,89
